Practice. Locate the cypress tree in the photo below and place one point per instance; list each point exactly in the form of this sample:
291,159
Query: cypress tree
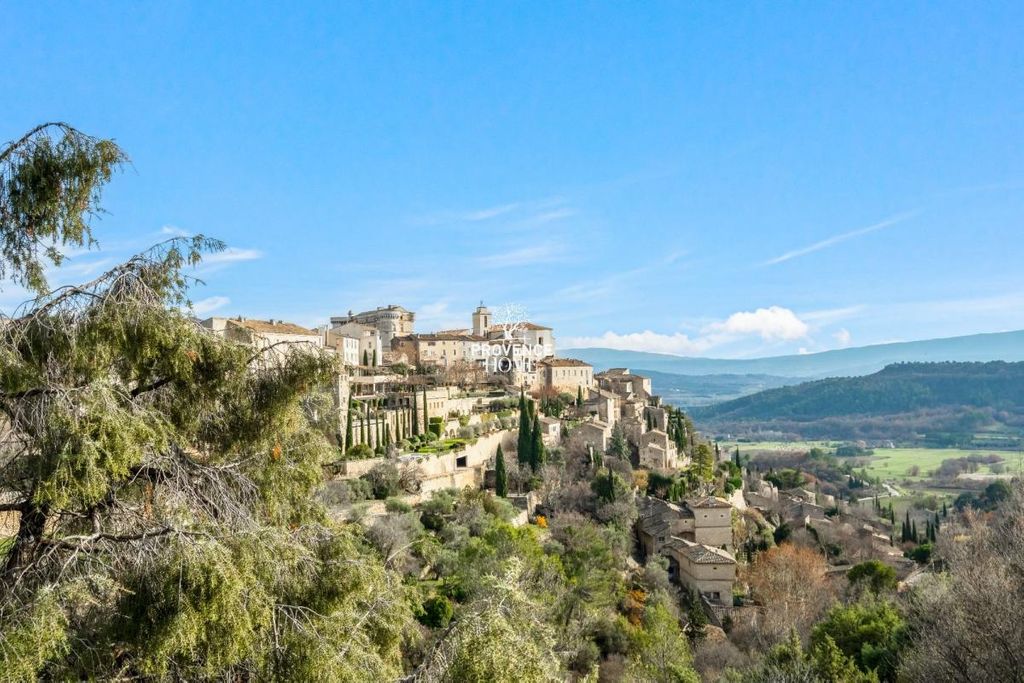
415,415
375,358
387,434
523,442
945,512
362,428
579,396
426,415
736,457
348,425
380,427
366,357
913,532
500,475
537,454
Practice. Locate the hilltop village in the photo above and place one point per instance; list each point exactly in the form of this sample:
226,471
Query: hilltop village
494,408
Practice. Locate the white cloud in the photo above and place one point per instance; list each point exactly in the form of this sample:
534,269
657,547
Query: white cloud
774,323
678,343
209,305
832,315
843,337
485,214
233,255
174,231
836,239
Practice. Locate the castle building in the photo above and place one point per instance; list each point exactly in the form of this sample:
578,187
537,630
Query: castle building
391,321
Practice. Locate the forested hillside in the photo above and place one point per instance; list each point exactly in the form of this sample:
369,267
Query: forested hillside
901,401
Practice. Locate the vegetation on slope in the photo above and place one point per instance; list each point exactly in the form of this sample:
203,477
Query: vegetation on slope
897,402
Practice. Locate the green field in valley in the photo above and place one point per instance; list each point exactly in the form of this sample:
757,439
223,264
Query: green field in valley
887,463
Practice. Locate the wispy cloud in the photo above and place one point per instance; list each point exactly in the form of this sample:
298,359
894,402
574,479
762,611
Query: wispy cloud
603,284
832,315
468,215
174,231
233,255
549,216
487,214
525,256
533,212
836,239
209,305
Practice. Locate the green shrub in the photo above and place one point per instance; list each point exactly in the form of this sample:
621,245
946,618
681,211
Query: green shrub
922,554
437,612
396,505
359,451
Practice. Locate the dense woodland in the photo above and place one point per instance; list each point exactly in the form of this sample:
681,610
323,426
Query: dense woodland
941,403
166,491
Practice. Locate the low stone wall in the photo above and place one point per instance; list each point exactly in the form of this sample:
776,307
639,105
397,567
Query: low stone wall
433,465
464,477
353,469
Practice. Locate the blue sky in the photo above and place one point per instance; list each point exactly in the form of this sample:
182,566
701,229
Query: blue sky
718,179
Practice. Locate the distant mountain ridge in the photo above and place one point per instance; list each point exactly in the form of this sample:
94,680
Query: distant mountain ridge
949,403
863,360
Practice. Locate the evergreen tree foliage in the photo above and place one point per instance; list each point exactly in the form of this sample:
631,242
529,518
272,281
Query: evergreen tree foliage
871,632
617,444
364,429
500,475
50,187
415,416
426,413
537,453
524,442
348,427
703,463
661,652
164,478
